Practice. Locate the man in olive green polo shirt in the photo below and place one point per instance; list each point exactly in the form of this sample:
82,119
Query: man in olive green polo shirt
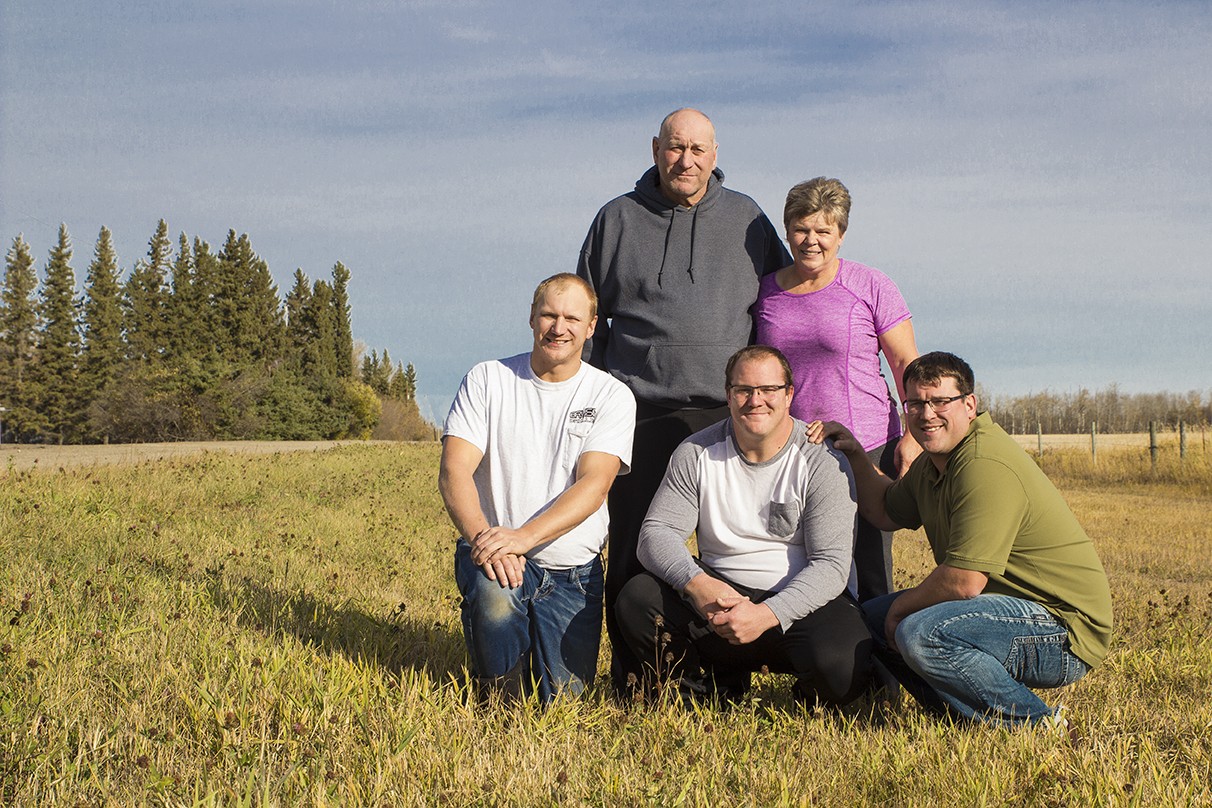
1019,598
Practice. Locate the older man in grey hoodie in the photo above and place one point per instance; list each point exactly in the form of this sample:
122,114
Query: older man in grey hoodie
675,264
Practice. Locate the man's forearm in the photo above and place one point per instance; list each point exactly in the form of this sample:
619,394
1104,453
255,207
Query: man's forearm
462,503
870,484
578,502
944,583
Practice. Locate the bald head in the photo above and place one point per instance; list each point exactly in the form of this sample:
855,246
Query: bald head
685,117
685,152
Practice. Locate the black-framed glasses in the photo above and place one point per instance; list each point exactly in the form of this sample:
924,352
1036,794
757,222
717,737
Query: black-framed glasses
742,392
914,406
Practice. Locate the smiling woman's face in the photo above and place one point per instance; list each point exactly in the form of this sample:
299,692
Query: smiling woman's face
814,242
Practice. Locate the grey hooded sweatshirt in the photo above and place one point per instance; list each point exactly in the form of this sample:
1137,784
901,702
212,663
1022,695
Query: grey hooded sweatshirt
674,288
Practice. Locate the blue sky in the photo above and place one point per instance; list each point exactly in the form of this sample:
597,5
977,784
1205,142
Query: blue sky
1035,177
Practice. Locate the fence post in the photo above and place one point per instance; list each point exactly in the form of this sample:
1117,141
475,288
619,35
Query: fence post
1093,442
1039,437
1182,441
1153,444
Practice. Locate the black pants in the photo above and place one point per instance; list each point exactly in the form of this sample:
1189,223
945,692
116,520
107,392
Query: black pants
658,431
872,546
828,651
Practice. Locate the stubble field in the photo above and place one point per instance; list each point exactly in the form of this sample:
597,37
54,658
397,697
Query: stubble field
283,629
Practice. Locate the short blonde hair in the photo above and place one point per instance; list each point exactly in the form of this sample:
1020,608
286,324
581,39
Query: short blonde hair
821,195
559,281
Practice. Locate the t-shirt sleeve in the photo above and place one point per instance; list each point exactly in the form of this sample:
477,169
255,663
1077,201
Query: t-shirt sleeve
468,416
888,307
983,527
614,427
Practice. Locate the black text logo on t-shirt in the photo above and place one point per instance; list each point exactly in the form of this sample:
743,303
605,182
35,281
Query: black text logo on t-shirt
585,416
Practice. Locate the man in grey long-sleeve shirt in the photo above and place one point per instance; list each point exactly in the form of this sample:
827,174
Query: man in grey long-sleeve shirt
774,517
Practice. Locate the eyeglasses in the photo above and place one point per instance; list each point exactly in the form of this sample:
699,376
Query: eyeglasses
742,392
914,406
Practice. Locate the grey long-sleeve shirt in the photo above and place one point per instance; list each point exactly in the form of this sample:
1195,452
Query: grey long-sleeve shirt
785,525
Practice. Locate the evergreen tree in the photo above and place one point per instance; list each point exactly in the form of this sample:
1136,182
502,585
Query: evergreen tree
298,301
319,354
103,346
398,388
247,305
410,383
18,340
59,345
206,278
147,299
344,330
379,377
186,312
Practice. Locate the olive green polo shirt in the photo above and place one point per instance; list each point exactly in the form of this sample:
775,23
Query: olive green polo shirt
994,511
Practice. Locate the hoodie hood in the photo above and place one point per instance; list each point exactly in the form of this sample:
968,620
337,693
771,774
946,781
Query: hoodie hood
648,187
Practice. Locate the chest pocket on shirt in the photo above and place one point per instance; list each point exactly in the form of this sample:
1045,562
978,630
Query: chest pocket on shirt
574,441
784,519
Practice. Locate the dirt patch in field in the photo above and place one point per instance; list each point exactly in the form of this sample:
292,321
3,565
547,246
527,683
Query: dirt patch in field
27,456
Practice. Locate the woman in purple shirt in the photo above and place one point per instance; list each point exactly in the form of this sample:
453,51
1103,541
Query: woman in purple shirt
832,318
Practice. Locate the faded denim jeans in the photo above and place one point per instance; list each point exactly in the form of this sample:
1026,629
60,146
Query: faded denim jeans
548,629
978,658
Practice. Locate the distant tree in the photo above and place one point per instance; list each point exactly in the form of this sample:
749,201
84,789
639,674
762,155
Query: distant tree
249,313
59,407
103,349
397,389
319,317
18,340
376,372
188,339
298,301
147,299
361,408
410,383
343,336
206,274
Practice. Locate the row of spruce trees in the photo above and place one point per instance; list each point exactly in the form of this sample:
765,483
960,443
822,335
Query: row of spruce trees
194,345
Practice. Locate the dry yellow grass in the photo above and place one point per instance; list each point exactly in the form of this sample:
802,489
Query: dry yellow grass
283,630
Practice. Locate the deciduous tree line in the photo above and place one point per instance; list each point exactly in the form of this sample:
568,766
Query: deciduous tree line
194,345
1113,411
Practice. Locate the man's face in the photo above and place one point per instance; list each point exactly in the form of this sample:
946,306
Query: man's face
939,430
561,323
685,157
758,414
814,243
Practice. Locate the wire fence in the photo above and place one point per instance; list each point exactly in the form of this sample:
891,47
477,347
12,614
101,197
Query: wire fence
1159,440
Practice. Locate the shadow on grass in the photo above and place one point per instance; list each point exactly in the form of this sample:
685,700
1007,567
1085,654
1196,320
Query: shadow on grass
396,644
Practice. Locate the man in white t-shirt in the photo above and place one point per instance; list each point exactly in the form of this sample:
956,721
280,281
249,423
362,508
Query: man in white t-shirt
774,519
530,449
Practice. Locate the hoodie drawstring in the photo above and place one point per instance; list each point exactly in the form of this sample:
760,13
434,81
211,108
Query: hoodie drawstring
694,223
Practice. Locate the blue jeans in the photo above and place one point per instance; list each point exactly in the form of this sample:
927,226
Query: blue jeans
548,629
978,658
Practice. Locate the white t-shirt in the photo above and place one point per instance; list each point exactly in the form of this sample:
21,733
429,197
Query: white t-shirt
532,433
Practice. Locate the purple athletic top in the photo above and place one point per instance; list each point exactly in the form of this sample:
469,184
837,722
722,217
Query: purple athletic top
831,339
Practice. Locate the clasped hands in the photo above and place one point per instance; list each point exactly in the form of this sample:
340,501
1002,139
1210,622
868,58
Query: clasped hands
730,614
501,553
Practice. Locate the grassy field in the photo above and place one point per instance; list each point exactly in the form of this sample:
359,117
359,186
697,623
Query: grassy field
283,630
